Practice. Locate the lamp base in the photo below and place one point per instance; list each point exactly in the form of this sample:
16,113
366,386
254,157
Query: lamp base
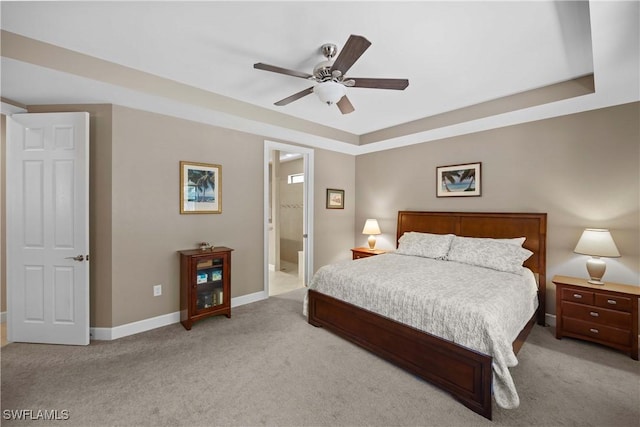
596,268
372,241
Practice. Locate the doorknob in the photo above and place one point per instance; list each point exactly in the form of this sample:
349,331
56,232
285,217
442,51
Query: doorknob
76,258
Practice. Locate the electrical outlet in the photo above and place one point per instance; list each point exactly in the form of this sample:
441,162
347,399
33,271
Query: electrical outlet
157,290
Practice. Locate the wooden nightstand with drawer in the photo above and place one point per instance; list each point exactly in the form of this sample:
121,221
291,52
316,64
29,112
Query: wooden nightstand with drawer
366,252
605,314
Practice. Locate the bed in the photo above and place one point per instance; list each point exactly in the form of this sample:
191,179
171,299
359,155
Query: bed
465,373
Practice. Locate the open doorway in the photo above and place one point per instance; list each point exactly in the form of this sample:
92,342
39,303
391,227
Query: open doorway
288,223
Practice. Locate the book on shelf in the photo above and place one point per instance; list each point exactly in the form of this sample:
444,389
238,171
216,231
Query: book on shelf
204,264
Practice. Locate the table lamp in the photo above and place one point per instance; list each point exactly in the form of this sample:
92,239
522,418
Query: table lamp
596,242
371,228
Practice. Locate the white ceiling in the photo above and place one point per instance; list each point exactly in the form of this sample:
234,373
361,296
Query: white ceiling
455,54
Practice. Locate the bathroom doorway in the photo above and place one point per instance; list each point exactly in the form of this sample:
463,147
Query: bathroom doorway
288,216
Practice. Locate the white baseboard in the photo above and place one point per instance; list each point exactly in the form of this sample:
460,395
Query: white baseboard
248,299
3,317
108,334
550,319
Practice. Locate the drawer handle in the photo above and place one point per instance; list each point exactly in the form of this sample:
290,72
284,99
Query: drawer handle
595,331
594,313
578,296
611,301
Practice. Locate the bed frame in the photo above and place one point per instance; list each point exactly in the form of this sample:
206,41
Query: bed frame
464,373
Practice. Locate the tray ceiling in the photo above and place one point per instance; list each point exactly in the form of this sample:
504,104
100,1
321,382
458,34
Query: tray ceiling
195,60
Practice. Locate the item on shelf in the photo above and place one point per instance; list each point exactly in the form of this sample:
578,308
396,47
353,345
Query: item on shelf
201,278
205,246
204,264
208,300
216,275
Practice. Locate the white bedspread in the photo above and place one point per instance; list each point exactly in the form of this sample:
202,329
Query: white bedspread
478,308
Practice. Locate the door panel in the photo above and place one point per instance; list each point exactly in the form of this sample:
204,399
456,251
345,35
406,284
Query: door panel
34,293
63,295
33,212
64,201
47,226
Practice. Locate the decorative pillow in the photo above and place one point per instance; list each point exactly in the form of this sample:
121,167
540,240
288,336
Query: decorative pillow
425,244
515,241
488,253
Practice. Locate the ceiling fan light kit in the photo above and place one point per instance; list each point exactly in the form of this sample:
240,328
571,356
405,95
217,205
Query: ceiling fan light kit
330,75
329,92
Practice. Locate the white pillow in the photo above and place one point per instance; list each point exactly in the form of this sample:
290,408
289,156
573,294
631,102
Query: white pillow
488,253
515,241
424,244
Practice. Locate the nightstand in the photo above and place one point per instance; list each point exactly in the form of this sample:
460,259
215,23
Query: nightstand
363,252
605,314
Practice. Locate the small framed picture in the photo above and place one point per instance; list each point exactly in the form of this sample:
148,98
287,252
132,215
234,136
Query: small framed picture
200,188
335,199
458,180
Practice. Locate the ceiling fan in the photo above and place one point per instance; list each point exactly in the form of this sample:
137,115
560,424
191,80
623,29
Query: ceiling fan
330,75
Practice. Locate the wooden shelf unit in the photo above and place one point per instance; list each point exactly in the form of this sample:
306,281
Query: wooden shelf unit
205,284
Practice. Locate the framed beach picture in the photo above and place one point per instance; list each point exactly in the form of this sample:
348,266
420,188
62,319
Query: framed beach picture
200,188
458,180
335,199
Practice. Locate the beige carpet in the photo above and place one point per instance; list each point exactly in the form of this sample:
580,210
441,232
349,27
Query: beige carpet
267,366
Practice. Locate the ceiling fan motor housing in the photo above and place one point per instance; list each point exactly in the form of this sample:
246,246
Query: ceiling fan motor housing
322,71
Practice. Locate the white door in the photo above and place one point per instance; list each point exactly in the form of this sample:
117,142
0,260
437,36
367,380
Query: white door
48,228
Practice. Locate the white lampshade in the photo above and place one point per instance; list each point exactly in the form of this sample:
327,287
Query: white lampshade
596,242
329,92
371,228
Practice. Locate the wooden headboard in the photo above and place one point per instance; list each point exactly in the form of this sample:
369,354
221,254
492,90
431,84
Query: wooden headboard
533,226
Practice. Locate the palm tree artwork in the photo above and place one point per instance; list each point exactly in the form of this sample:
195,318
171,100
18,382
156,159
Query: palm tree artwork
200,187
203,182
459,180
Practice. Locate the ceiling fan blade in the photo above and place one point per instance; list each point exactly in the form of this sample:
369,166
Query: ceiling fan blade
352,50
294,97
397,84
273,68
345,105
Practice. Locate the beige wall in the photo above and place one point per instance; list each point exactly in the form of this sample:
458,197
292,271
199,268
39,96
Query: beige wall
136,225
334,228
147,225
148,228
583,170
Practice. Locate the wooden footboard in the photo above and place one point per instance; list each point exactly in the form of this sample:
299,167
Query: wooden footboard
464,373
